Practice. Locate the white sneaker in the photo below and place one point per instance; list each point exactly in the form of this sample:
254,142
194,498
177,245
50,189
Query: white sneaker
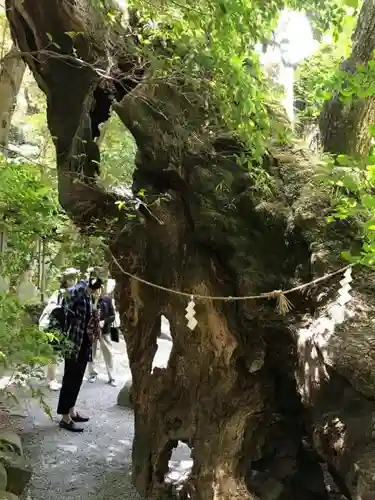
54,385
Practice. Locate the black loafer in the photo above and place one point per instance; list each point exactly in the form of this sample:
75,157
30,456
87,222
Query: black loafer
70,426
79,419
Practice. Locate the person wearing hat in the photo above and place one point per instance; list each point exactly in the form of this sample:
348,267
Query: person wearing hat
71,274
107,315
82,331
68,278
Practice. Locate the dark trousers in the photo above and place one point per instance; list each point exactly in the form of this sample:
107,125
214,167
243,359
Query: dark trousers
74,371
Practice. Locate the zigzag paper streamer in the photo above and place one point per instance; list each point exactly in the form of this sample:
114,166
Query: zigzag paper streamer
190,314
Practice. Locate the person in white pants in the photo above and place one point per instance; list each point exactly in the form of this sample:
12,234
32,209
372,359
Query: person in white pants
107,317
69,277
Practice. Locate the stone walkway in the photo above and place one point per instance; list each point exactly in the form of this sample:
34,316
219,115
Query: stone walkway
97,463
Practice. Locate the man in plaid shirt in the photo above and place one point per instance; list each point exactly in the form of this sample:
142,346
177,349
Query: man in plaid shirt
80,305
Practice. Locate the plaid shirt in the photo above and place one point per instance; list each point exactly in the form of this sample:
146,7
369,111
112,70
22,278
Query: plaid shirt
78,304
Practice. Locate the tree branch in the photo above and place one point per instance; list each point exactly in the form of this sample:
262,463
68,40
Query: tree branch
84,64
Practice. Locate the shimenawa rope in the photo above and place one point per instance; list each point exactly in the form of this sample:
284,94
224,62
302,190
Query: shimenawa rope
283,303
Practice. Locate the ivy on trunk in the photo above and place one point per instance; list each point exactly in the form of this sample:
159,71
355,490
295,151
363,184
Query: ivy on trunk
345,127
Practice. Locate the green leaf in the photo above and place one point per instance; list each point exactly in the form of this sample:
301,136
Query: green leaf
346,255
371,129
368,201
73,34
349,183
343,160
326,95
120,204
351,3
370,225
348,92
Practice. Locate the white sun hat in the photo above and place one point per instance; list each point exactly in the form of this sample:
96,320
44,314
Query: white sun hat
71,271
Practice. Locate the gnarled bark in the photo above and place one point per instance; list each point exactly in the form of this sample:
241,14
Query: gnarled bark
229,389
11,75
344,127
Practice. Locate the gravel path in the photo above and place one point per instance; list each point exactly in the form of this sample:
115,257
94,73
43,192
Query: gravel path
94,464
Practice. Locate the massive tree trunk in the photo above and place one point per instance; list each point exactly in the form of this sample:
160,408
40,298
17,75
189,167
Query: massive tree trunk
344,127
11,75
229,390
